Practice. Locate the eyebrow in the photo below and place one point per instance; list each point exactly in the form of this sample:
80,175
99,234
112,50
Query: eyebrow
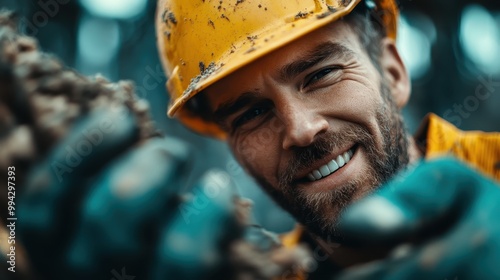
324,51
228,108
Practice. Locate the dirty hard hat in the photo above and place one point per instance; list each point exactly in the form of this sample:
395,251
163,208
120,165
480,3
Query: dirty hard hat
203,41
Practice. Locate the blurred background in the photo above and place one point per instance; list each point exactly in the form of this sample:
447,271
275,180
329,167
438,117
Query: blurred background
451,48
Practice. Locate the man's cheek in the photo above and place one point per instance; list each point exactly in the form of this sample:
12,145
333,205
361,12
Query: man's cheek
246,153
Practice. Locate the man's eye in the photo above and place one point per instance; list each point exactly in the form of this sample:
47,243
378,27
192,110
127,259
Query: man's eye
250,115
317,76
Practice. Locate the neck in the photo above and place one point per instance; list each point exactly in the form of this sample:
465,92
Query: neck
414,152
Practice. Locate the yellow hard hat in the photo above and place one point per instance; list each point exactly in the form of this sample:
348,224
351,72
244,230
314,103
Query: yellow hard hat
203,41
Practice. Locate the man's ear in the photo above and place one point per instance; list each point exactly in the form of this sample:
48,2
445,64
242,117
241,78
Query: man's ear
395,73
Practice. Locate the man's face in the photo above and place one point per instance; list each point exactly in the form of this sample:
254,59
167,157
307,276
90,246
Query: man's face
315,123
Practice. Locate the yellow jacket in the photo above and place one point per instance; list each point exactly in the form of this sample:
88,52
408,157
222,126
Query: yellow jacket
480,150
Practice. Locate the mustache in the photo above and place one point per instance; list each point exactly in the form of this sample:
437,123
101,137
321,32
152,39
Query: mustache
323,145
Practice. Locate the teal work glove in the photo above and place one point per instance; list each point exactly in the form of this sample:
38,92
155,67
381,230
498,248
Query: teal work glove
113,211
442,219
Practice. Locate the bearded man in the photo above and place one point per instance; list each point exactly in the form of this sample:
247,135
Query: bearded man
308,97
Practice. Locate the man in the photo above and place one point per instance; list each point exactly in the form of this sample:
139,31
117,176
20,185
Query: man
308,96
92,191
98,191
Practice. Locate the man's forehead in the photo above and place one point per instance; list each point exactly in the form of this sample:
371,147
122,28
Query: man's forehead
333,41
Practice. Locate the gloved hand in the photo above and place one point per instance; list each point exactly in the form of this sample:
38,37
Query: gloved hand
103,206
443,219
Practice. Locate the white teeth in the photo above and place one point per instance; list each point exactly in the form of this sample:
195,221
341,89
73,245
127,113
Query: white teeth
340,161
324,170
331,167
347,157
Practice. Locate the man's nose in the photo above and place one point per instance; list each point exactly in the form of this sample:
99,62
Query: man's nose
302,125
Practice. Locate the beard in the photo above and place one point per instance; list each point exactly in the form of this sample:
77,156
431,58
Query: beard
319,212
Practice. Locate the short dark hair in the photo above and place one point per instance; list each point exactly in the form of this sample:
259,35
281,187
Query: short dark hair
369,29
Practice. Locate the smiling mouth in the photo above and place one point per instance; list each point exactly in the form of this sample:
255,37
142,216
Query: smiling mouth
331,167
